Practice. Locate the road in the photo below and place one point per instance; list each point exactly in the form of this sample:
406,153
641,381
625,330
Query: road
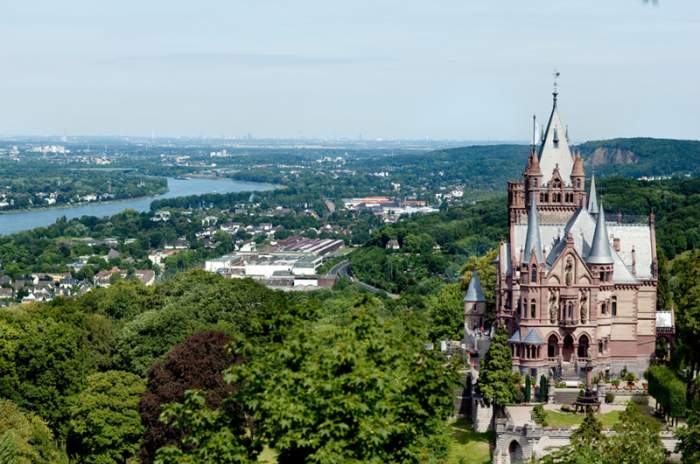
342,269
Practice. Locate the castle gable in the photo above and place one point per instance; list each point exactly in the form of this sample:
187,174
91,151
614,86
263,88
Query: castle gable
569,269
554,150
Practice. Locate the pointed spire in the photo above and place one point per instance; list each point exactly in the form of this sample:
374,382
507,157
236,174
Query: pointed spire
555,149
593,198
600,248
532,239
474,292
533,165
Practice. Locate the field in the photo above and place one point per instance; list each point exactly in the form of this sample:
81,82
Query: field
468,447
568,419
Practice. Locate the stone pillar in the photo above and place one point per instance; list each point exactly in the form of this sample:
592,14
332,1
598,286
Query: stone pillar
550,391
601,392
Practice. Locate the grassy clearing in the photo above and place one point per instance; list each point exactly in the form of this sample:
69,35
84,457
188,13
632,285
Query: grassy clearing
569,419
468,446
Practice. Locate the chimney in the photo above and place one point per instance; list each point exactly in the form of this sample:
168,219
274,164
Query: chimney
616,244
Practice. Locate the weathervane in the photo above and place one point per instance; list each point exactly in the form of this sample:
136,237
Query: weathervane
556,75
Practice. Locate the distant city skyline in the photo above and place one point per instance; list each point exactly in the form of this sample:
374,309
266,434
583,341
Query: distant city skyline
388,69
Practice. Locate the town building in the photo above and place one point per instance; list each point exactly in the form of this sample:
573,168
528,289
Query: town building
574,285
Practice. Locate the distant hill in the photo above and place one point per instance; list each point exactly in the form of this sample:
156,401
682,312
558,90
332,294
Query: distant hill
491,166
636,157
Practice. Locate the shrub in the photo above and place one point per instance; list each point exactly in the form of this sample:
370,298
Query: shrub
630,377
615,383
609,397
539,416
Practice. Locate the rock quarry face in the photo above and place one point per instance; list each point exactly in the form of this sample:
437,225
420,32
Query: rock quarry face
603,156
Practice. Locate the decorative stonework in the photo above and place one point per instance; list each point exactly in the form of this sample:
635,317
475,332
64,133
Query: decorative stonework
587,288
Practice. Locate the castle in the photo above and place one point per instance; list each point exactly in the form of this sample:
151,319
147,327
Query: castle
574,285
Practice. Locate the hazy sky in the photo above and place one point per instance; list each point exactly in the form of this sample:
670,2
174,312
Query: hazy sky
463,69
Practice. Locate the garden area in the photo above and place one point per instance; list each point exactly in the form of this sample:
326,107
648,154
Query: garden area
468,446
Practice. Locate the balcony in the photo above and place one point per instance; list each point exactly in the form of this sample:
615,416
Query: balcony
568,322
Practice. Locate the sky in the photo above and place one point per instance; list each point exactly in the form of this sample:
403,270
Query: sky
441,69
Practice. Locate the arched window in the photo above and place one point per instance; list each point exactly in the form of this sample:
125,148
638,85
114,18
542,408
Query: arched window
578,183
583,347
533,274
552,346
533,309
613,305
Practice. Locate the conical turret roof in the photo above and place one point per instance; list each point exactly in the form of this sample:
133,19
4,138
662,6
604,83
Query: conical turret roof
601,252
593,198
532,239
474,292
533,165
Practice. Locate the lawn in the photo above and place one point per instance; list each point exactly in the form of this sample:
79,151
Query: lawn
468,447
569,419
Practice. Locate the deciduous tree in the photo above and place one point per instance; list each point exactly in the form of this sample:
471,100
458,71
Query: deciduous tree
104,426
197,363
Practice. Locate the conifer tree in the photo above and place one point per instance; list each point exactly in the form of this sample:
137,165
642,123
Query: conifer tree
528,389
496,377
544,388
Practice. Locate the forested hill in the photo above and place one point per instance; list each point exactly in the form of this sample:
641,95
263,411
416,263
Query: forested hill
491,166
635,157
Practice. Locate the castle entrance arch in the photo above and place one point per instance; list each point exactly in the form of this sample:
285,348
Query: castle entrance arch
515,452
568,348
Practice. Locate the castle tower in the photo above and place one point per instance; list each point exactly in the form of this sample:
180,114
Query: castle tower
474,308
571,287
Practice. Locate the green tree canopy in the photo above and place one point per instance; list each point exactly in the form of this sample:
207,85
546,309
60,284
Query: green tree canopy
104,426
25,438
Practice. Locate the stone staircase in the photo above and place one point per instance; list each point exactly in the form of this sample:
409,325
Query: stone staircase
566,395
568,372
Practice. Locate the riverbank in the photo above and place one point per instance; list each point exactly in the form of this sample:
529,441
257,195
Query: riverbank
22,220
78,204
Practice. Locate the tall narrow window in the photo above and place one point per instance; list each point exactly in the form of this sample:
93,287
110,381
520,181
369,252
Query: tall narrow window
613,307
533,309
533,274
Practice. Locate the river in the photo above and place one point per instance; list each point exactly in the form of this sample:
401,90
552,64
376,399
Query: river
19,221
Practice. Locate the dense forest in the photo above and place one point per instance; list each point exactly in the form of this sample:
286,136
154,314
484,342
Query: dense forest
316,377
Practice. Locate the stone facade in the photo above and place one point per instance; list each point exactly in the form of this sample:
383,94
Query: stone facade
574,286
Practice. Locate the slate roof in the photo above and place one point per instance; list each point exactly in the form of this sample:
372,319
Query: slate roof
474,292
554,150
532,239
601,252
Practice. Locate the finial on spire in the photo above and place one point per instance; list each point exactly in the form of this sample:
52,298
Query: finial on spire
534,131
555,93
